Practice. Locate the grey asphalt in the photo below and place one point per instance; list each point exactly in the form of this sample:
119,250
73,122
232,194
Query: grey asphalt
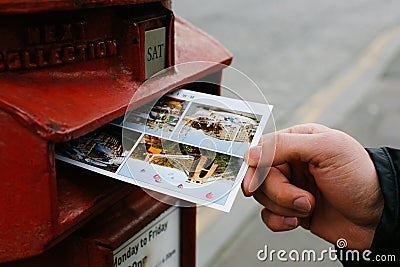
375,121
293,50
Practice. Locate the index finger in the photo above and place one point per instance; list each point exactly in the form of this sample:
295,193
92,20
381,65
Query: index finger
295,143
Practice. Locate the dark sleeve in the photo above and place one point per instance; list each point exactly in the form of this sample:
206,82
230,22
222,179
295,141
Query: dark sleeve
387,235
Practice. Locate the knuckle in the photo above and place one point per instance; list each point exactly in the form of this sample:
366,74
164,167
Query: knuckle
270,221
279,139
274,229
315,128
279,196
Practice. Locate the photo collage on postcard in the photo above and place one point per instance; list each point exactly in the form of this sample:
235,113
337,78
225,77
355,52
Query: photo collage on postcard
186,144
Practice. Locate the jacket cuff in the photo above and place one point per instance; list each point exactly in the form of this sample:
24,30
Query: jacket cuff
387,236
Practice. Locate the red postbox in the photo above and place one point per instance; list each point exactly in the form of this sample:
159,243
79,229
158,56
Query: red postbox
67,68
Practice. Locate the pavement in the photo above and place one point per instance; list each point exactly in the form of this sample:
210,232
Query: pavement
333,62
373,121
291,49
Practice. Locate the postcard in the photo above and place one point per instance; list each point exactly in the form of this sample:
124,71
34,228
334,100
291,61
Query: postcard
186,144
217,128
157,118
102,148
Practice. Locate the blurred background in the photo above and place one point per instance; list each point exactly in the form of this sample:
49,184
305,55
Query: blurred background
333,62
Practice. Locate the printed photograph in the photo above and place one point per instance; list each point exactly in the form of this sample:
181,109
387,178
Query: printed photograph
216,128
102,148
158,119
180,146
198,172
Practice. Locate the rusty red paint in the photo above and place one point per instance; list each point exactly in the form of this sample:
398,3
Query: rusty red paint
34,97
30,6
41,204
93,244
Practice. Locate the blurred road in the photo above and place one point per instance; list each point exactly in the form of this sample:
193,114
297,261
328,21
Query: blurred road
335,62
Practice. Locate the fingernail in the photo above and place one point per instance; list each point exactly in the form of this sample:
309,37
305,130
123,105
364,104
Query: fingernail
252,155
254,183
290,221
302,204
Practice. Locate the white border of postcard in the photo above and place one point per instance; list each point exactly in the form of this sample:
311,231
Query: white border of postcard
221,109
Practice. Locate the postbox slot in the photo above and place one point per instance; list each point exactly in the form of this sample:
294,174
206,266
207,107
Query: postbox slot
80,191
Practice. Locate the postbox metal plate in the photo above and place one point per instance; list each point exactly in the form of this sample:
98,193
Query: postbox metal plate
155,51
158,244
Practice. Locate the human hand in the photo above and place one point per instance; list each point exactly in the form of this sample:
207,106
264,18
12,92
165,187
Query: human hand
321,179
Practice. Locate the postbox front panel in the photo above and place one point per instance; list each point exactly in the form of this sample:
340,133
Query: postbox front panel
65,73
136,38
